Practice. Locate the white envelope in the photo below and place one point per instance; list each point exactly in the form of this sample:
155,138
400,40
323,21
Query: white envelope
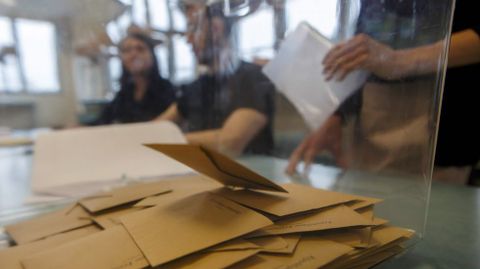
297,72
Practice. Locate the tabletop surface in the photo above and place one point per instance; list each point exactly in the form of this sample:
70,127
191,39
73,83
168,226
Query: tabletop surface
451,238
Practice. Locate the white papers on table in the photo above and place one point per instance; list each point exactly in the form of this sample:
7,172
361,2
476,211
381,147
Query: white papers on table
34,199
66,160
297,72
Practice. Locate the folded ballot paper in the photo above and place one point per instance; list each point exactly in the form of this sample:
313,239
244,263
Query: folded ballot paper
76,162
297,72
226,217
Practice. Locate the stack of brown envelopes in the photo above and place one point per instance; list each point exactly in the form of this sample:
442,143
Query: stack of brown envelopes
241,220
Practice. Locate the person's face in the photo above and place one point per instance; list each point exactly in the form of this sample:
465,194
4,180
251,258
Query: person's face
205,35
136,56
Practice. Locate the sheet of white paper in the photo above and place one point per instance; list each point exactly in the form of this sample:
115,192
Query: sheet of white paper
297,72
80,189
42,199
102,154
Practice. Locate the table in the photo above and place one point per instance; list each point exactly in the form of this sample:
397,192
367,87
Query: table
452,238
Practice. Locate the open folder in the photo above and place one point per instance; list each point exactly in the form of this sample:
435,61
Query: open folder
297,72
81,161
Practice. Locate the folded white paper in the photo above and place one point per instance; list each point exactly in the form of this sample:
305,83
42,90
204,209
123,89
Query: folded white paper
94,155
297,72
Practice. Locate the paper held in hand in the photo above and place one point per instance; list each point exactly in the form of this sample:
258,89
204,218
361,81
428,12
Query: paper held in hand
297,72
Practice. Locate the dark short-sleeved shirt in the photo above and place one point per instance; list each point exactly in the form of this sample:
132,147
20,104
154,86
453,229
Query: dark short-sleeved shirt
208,101
125,109
459,136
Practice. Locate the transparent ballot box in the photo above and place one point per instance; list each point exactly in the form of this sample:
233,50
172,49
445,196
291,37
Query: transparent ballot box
337,95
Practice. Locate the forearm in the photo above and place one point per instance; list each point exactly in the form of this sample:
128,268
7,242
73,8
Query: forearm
464,50
208,138
236,133
417,61
229,143
171,114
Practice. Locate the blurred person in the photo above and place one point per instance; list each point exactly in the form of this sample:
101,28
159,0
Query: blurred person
230,106
458,143
143,93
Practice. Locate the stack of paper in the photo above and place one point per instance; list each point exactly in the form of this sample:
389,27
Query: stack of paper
196,222
80,161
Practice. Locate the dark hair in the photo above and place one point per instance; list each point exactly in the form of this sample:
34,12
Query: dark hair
153,73
214,10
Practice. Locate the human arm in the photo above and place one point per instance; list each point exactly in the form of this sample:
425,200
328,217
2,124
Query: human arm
327,138
235,134
464,48
171,114
363,52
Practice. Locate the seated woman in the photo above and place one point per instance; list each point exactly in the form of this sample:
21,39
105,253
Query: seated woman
230,107
143,94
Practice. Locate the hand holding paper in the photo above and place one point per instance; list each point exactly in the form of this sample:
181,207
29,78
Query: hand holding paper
293,70
361,52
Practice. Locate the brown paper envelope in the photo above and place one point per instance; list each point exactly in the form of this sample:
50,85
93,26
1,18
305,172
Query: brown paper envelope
292,241
311,253
124,195
112,217
10,258
168,232
362,202
66,219
366,261
231,167
300,198
270,243
182,186
386,234
379,248
366,236
254,262
350,237
376,258
169,197
210,260
382,238
332,218
379,221
367,212
108,249
216,166
235,244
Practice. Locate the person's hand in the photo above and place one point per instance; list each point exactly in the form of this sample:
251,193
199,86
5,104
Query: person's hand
328,137
360,52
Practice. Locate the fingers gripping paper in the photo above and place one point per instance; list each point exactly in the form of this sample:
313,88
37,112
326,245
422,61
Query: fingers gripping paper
297,72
